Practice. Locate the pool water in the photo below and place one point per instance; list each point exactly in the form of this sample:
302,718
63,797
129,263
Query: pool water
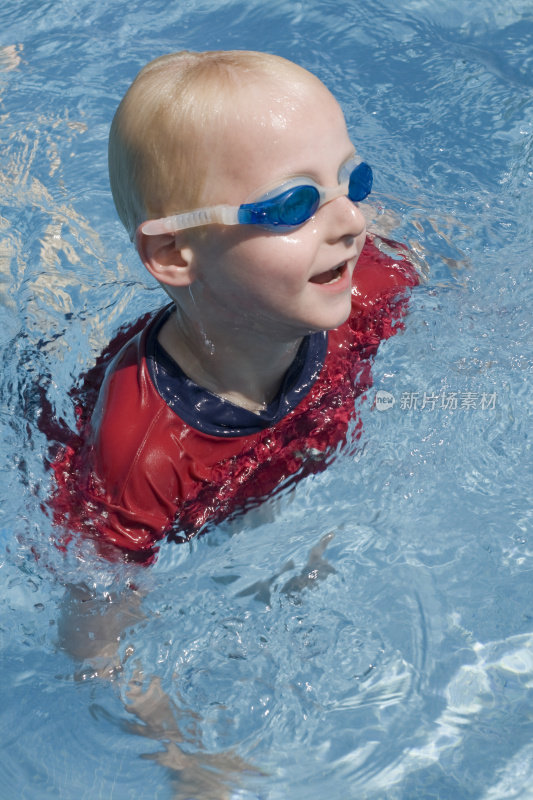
369,633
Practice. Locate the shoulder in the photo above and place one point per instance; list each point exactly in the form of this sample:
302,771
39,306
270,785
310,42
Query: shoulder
129,416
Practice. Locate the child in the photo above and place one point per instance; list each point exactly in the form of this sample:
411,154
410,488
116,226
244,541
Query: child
235,176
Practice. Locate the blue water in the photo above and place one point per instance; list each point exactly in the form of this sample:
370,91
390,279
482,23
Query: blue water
369,634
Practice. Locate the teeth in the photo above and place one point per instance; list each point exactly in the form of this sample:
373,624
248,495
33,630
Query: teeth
338,270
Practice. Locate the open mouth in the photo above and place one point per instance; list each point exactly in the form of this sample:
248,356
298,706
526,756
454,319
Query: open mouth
331,275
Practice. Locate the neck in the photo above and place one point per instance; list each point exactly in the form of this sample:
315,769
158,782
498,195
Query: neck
246,370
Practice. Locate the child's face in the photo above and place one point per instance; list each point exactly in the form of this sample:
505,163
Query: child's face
279,285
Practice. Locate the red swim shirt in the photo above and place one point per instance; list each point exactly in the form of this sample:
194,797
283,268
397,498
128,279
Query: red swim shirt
136,471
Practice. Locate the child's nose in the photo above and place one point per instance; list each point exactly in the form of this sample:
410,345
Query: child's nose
345,219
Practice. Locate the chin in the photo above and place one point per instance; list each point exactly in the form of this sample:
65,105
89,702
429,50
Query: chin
333,321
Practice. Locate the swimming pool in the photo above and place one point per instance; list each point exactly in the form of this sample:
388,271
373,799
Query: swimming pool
368,634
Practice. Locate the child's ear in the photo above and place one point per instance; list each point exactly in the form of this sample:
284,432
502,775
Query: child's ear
166,258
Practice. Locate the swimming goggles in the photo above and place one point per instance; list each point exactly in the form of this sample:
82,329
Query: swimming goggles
287,206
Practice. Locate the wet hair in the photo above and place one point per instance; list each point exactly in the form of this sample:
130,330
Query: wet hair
158,145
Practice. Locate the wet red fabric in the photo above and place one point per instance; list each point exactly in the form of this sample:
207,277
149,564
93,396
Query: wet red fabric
135,472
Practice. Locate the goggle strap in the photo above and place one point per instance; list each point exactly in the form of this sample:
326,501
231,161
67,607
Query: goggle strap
356,188
222,215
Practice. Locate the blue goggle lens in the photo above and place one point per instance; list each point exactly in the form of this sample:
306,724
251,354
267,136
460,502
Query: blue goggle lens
298,204
360,183
289,208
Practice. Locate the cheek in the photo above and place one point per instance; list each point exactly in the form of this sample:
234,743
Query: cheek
285,258
236,264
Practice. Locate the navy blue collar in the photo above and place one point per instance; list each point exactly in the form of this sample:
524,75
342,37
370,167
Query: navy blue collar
206,412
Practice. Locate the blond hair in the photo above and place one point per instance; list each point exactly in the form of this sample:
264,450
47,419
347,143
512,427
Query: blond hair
156,142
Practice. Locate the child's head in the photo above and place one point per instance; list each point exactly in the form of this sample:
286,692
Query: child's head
170,119
197,130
